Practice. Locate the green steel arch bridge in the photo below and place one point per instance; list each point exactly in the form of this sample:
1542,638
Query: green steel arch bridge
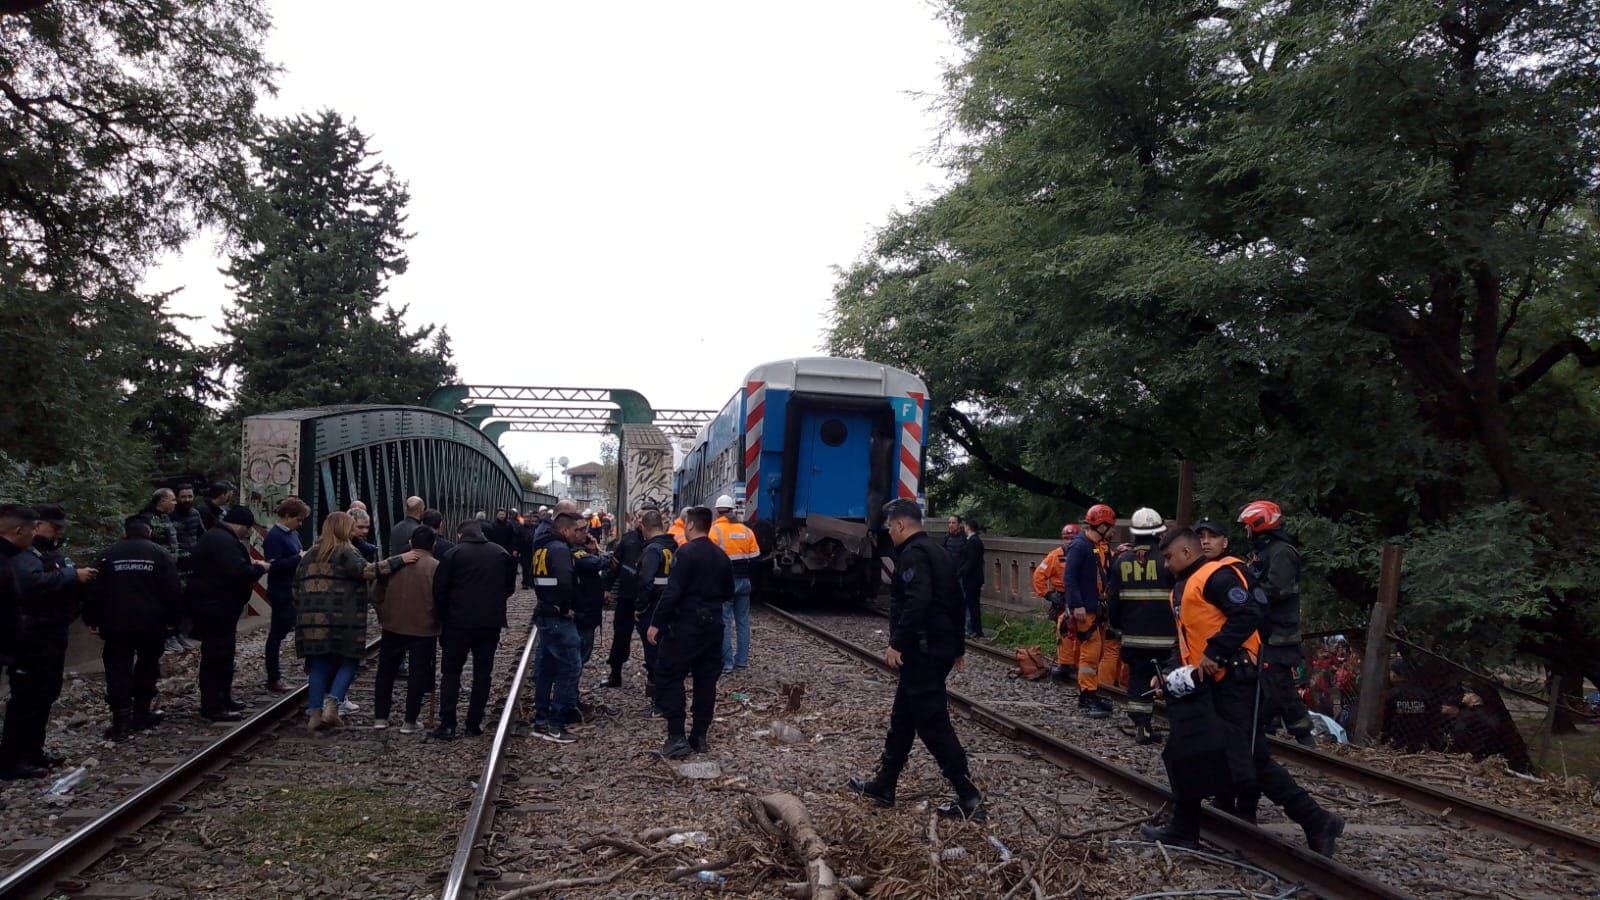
448,452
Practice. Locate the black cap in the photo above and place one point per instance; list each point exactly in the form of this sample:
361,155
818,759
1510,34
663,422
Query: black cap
239,515
51,513
1211,525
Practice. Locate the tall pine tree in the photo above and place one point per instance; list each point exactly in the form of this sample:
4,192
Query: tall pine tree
316,239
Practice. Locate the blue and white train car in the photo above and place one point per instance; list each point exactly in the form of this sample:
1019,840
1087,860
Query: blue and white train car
811,449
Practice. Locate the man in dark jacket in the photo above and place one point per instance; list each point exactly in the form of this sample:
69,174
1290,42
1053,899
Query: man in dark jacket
655,570
589,566
1276,564
625,565
187,520
216,503
400,534
558,656
16,536
435,520
925,645
970,575
133,602
47,587
220,580
687,630
503,531
524,541
470,588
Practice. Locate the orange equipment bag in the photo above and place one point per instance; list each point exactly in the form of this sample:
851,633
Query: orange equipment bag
1031,664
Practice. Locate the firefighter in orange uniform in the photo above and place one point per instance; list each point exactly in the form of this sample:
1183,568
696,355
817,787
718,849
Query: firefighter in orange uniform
1086,562
1212,692
1049,585
677,530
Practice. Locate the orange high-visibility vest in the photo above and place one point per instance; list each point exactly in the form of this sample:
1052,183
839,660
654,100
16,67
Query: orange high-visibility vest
677,532
736,540
1199,620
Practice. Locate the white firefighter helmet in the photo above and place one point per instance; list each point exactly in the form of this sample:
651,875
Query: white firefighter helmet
725,502
1146,522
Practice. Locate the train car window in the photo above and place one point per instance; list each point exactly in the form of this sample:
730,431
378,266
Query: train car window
834,432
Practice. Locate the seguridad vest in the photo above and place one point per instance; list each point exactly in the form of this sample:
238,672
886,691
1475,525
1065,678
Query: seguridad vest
1199,620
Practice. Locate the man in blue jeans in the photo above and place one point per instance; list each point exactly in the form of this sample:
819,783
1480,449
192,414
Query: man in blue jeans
739,543
558,657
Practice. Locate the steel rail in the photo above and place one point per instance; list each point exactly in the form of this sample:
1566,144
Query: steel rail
1289,860
1516,826
462,878
36,879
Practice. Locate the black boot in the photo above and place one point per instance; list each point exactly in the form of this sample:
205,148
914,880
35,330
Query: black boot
1089,703
615,681
969,802
1323,837
1064,674
698,742
676,747
121,725
1144,734
144,717
880,786
1173,834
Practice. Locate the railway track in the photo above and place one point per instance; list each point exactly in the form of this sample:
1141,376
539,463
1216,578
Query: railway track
1291,861
69,865
1516,827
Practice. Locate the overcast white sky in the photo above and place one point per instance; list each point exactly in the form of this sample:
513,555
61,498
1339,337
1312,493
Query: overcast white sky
628,194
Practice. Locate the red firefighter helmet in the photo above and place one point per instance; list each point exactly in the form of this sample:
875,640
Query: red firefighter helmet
1100,514
1260,515
1070,531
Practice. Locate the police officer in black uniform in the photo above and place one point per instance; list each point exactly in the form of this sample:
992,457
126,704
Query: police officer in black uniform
655,569
686,628
47,589
925,644
134,601
625,590
1138,592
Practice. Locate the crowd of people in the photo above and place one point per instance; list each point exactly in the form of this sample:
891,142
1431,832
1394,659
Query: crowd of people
184,569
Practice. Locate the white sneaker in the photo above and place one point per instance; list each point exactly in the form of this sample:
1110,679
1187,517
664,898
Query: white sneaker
173,645
346,707
409,728
380,724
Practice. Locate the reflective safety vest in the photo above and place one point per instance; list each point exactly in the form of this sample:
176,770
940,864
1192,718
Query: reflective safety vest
677,532
736,540
739,542
1199,620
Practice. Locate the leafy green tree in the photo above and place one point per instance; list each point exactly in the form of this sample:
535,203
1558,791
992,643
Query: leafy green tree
1342,254
316,238
528,477
122,124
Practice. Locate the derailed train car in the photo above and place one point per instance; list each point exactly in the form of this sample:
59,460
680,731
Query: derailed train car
811,449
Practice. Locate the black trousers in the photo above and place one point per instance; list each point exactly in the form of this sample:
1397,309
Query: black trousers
689,647
36,677
219,638
281,627
525,560
133,665
393,651
645,618
456,644
621,633
1280,699
1142,663
972,592
1235,702
922,709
